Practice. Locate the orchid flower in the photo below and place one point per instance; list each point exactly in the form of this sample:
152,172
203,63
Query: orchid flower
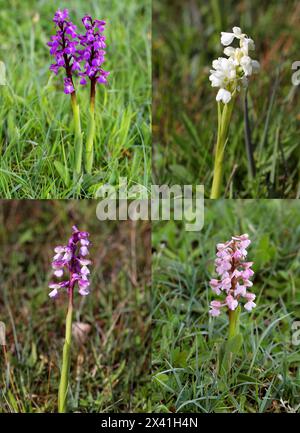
92,55
63,47
80,55
232,288
234,276
70,269
230,74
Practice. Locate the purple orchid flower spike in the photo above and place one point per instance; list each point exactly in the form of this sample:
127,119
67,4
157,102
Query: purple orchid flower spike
93,52
92,55
71,264
63,47
82,55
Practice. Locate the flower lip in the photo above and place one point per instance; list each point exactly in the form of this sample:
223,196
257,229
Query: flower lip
249,306
59,249
83,292
224,96
227,38
58,272
53,293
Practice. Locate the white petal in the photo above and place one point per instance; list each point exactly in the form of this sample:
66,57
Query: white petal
85,262
53,293
237,32
83,292
215,80
59,249
224,96
229,51
246,64
255,66
227,38
249,305
215,64
54,286
59,273
58,256
67,256
85,270
84,251
248,44
214,312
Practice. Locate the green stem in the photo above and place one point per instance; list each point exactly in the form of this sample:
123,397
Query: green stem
233,322
89,151
224,117
65,370
231,330
78,137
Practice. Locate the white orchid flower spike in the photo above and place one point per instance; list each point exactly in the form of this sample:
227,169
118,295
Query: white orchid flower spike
231,73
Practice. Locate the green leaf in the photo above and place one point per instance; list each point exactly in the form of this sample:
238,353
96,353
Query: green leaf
33,356
163,377
180,357
229,348
26,236
12,401
265,252
63,172
234,344
293,358
242,378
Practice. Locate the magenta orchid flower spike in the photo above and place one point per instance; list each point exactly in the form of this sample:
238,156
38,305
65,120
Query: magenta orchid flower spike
93,52
71,266
92,55
234,276
80,55
63,47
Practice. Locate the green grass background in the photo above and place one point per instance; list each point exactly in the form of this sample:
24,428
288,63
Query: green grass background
36,133
110,370
186,38
265,376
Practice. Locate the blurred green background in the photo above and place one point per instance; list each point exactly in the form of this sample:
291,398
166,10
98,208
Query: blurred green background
186,38
111,367
265,376
36,132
